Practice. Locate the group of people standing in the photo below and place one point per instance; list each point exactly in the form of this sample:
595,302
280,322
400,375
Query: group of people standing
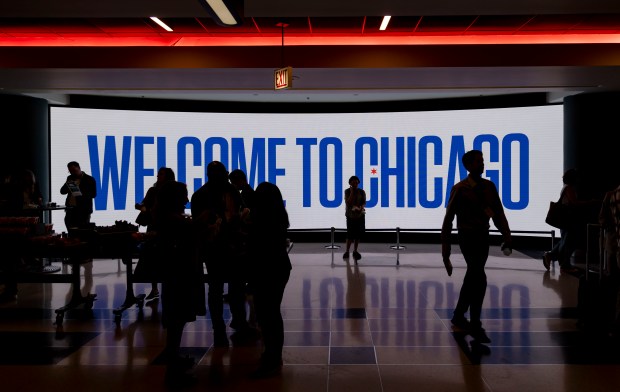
241,236
577,214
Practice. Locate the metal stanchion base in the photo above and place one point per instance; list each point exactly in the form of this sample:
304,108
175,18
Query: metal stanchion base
332,246
398,247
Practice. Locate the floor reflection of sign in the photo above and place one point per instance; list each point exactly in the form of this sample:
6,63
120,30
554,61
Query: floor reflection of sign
283,78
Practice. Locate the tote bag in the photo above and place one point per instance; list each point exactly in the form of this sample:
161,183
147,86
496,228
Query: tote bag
559,215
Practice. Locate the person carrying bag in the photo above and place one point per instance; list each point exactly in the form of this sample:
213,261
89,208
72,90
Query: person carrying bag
559,215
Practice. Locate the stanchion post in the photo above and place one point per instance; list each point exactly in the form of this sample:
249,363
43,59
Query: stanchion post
398,246
332,245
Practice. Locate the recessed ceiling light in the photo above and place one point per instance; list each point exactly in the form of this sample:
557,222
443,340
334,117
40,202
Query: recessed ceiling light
222,13
384,23
162,24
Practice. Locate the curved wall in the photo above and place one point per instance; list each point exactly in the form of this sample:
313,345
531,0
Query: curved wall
591,125
24,123
591,130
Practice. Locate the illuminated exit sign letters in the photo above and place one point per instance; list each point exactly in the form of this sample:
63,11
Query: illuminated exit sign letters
283,78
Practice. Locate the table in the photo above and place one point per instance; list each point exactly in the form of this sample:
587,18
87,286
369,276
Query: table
121,245
46,212
75,253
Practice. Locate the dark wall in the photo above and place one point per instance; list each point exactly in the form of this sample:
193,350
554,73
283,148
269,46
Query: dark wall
591,132
25,138
497,101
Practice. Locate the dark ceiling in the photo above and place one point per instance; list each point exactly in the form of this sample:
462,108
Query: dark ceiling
361,25
430,50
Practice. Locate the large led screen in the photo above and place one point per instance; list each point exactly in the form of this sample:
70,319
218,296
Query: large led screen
407,161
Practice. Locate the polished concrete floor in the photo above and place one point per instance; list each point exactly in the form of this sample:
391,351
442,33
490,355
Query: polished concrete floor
380,325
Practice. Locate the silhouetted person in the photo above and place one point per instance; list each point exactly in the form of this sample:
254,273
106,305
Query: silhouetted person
5,192
569,235
609,218
355,204
27,194
270,272
215,207
183,286
80,189
145,218
474,201
22,198
240,181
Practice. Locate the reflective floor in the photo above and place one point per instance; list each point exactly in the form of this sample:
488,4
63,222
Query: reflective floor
380,325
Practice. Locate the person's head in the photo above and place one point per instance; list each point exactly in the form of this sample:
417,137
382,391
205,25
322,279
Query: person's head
238,179
23,180
570,176
27,179
269,205
165,174
473,162
354,181
216,171
74,169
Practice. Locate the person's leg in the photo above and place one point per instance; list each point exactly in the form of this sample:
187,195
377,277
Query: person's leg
568,244
215,300
236,302
356,254
267,301
464,301
70,220
345,255
554,253
562,250
216,303
176,365
475,249
358,226
10,290
174,333
349,241
154,292
9,264
616,282
275,340
550,256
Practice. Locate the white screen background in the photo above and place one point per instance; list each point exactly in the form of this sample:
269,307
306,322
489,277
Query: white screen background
71,127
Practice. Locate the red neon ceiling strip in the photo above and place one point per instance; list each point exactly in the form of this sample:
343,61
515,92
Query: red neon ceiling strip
276,40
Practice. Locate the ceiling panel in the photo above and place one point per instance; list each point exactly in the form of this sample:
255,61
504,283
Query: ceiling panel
414,25
555,23
372,25
349,25
182,25
500,23
117,23
445,24
402,24
125,25
293,25
602,23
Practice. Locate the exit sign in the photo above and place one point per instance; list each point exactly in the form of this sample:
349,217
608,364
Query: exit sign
283,78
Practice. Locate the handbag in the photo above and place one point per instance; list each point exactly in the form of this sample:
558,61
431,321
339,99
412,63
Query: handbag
559,215
143,218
